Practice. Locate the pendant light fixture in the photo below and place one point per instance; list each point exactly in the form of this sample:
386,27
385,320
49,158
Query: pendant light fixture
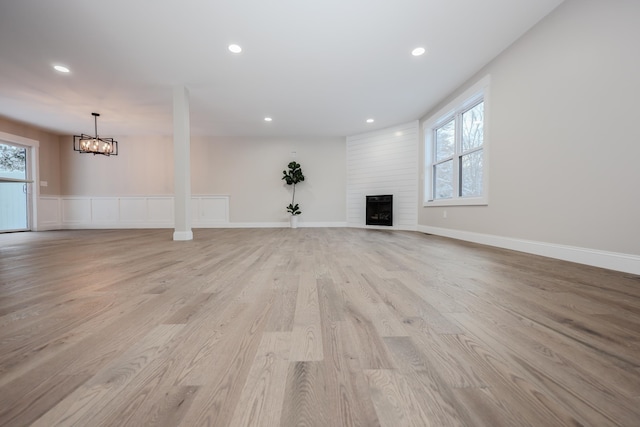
94,144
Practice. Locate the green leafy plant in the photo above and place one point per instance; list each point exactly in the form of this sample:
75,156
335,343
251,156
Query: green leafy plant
292,177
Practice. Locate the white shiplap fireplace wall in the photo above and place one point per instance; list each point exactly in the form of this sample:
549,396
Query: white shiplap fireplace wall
384,162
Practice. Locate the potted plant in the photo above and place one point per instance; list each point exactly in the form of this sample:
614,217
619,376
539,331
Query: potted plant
292,177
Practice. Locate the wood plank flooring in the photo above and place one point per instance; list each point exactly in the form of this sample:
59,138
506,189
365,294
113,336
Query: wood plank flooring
309,327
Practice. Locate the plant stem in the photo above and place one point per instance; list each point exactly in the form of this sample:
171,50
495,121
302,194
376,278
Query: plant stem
293,199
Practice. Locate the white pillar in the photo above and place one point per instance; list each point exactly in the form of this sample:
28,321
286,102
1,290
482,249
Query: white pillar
181,164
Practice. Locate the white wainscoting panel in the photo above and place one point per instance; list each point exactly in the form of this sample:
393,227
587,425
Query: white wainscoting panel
209,211
104,210
160,210
133,209
49,213
384,162
72,212
76,210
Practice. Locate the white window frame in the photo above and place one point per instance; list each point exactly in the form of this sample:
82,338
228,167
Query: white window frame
468,99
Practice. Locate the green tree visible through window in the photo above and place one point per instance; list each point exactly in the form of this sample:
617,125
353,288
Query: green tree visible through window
13,188
12,158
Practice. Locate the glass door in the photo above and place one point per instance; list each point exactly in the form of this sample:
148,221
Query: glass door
14,188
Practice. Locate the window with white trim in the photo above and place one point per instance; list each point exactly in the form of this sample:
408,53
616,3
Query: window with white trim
455,148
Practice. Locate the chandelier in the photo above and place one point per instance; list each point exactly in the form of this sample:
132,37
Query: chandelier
93,144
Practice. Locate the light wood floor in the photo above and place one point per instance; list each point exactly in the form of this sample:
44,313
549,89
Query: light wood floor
309,327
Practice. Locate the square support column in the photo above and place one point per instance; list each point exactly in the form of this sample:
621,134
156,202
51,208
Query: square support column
181,164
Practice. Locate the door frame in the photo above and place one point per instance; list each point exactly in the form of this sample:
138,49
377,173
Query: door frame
33,162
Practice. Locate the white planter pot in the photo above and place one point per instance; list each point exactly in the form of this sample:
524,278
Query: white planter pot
294,221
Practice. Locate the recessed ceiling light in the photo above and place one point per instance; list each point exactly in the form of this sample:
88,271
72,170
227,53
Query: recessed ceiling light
370,120
418,51
235,48
61,68
268,119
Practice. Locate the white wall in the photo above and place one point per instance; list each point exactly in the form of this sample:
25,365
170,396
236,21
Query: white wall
143,167
384,162
564,159
245,171
48,152
249,170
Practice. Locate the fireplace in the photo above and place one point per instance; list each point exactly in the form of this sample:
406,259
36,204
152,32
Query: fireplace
380,210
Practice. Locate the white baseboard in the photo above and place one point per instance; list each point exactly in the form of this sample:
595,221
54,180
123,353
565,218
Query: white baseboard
183,235
112,225
312,224
611,260
48,227
385,227
254,225
301,224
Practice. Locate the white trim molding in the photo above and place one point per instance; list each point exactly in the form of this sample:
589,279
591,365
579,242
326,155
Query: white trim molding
49,213
318,224
285,224
479,91
33,174
82,212
626,263
209,211
384,227
183,235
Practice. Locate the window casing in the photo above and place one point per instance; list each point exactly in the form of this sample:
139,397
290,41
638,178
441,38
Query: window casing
32,192
456,149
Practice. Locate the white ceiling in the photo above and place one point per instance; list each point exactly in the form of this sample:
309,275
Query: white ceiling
318,68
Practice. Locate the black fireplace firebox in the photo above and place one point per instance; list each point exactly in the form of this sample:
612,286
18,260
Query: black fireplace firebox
380,210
